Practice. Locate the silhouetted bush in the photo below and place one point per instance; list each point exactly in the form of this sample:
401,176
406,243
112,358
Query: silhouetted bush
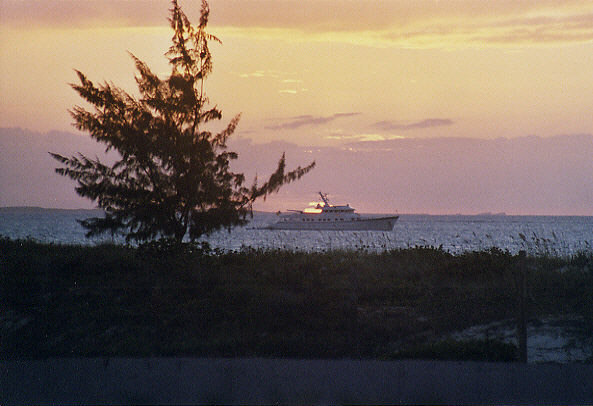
472,350
66,300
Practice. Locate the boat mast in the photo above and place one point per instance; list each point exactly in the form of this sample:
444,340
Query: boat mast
324,198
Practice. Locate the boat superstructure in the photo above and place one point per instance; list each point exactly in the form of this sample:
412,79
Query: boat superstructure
326,216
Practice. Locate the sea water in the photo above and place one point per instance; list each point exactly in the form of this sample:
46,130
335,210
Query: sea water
557,235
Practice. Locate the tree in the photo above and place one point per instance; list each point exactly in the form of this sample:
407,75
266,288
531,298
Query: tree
172,176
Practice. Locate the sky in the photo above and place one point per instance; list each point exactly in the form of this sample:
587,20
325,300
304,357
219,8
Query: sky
332,75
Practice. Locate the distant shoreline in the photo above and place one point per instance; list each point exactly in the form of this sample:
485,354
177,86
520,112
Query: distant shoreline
24,209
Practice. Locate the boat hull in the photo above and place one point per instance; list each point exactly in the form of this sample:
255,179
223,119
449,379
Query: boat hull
360,224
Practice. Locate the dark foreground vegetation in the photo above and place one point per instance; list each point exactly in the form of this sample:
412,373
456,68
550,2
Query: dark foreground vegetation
110,300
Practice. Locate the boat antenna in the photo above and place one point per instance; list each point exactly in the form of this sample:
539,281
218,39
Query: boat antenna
324,198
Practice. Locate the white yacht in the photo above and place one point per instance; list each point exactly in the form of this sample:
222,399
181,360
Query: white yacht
329,217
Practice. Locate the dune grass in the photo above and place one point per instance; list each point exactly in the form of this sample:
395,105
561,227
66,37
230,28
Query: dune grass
113,300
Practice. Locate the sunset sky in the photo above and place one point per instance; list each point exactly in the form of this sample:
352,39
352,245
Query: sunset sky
332,74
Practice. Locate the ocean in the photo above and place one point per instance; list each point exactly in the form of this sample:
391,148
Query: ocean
556,235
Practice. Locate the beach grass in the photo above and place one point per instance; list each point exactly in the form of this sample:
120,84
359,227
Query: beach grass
158,300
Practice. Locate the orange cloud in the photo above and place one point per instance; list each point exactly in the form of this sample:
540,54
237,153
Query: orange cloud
308,120
379,23
426,123
450,24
